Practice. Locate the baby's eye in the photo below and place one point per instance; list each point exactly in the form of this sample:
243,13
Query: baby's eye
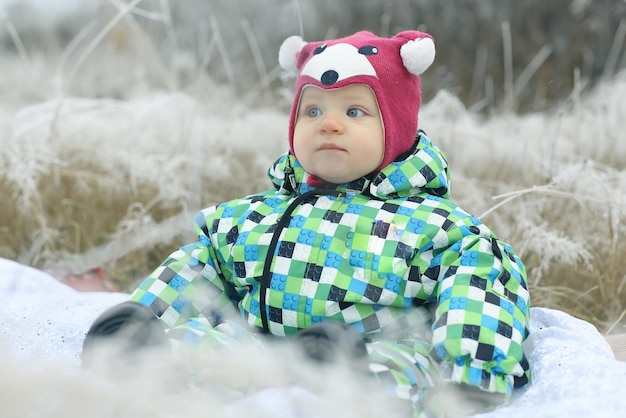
312,111
355,112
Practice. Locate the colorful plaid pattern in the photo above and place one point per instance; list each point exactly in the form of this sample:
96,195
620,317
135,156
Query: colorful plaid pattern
369,256
404,367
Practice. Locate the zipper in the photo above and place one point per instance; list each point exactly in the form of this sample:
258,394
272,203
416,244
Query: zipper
282,223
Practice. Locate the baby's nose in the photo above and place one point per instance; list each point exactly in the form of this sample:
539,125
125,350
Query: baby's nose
330,124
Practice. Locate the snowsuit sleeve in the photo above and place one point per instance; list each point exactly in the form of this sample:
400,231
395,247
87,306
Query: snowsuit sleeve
191,295
482,313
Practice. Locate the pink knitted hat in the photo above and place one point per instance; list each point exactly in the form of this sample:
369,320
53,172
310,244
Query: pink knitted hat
389,66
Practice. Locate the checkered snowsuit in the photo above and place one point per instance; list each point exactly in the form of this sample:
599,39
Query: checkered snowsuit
375,253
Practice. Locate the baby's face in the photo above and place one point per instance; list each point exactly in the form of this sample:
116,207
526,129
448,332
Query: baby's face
338,134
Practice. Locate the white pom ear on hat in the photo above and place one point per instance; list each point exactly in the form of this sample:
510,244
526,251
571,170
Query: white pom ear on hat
417,55
288,52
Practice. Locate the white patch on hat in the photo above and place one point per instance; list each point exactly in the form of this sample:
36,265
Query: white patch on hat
337,62
288,52
418,55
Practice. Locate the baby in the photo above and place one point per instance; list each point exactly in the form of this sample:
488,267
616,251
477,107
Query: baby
357,244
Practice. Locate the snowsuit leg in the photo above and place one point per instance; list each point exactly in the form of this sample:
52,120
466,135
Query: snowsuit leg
195,305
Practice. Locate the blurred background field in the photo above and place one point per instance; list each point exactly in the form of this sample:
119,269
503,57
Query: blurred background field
120,119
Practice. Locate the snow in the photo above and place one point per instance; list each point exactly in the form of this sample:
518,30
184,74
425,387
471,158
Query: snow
43,323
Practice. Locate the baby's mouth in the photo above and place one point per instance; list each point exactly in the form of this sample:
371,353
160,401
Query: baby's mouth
331,147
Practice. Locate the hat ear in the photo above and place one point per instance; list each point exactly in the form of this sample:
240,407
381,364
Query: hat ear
418,54
288,52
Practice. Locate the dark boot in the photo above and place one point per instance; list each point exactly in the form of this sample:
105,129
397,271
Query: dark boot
126,329
330,342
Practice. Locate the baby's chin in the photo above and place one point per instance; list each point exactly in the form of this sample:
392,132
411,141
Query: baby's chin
338,179
337,171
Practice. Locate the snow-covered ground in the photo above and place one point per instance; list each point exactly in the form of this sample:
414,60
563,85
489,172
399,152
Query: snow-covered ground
43,322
